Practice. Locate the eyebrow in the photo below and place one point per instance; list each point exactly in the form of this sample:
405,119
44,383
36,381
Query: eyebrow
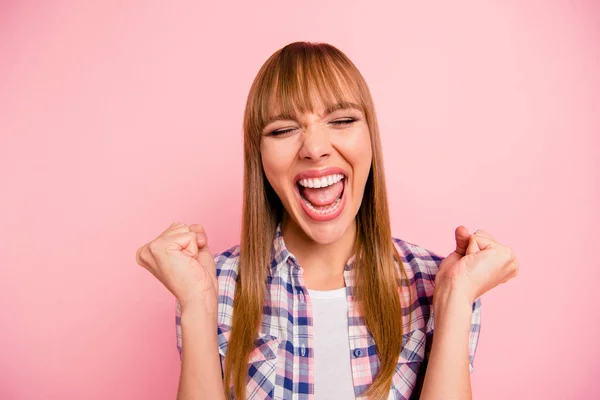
335,107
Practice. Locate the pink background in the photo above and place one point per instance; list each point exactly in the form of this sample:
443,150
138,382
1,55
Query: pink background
118,118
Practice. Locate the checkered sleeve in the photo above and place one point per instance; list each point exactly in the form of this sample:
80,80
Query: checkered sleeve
178,326
432,262
474,336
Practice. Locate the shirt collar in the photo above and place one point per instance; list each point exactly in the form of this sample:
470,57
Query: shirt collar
280,254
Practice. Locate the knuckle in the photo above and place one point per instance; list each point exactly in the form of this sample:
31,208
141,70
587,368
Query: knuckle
193,236
198,227
140,255
154,246
137,254
143,259
510,254
201,236
142,251
177,225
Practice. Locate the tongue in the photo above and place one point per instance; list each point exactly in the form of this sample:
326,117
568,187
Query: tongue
323,196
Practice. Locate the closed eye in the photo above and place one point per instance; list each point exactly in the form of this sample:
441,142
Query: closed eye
337,122
280,132
343,121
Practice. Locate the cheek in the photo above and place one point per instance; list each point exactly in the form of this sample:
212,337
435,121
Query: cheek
274,165
367,153
270,170
359,153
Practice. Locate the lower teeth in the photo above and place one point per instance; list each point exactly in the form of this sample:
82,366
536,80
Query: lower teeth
327,210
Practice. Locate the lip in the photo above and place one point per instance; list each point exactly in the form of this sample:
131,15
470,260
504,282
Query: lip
317,173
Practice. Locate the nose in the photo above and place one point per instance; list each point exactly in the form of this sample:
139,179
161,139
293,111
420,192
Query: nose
316,145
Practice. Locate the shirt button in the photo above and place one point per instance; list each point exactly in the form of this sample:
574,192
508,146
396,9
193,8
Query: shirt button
357,353
302,350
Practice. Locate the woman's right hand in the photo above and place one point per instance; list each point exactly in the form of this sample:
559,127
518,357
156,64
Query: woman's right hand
180,258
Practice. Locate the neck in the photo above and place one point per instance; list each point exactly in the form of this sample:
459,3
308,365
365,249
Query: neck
322,264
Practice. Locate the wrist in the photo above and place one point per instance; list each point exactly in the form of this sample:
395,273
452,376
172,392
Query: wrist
199,307
451,295
197,320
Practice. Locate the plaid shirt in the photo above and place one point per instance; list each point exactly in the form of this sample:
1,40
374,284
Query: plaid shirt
281,365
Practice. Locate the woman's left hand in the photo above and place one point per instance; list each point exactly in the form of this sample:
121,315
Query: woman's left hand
478,264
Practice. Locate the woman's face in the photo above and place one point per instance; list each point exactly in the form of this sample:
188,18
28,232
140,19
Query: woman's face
318,164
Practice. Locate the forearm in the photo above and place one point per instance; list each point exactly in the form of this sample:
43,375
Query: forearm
448,375
200,377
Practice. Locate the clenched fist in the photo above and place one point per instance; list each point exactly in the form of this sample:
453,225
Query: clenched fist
180,258
478,264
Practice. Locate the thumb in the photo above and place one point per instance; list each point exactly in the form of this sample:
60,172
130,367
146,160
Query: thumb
462,240
204,256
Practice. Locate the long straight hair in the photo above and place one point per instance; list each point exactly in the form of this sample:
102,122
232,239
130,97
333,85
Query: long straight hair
290,81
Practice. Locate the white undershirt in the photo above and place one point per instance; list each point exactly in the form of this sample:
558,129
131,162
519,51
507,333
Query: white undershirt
332,372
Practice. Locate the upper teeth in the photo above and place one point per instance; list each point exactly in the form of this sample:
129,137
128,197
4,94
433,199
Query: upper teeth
323,181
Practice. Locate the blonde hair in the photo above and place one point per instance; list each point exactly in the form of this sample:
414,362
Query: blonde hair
288,83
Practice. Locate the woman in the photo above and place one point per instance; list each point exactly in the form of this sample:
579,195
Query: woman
319,301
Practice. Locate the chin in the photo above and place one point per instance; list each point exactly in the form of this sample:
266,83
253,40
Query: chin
328,233
324,233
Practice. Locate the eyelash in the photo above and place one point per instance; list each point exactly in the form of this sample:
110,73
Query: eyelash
338,122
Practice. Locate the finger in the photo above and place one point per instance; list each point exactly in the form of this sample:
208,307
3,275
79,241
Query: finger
204,256
461,235
141,257
144,255
196,227
183,241
480,242
200,233
515,267
483,233
473,247
175,227
138,258
499,257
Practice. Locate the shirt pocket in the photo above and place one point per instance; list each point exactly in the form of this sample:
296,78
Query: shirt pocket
262,363
411,357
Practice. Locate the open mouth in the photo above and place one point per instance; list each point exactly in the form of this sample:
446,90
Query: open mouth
322,198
